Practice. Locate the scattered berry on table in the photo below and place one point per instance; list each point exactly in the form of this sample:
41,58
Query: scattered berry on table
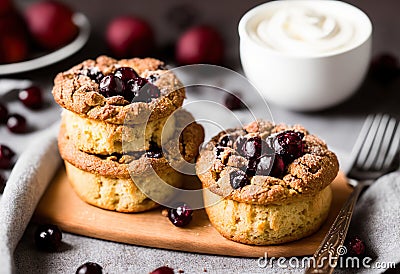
48,237
89,268
180,216
385,68
163,270
2,183
16,123
6,156
31,97
3,113
355,247
233,102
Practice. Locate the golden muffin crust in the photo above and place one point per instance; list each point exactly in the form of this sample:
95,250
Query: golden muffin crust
184,147
305,176
119,194
98,137
78,93
268,224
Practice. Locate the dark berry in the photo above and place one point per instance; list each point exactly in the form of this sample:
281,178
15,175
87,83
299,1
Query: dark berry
48,237
144,90
112,86
251,167
218,151
227,140
385,67
2,183
125,74
154,151
163,270
31,97
265,165
289,145
250,148
355,247
238,179
3,114
278,168
89,268
93,73
16,123
233,102
152,78
6,156
180,216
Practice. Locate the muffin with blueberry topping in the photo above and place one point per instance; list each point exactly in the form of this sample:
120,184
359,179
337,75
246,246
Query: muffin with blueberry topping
118,129
266,183
100,96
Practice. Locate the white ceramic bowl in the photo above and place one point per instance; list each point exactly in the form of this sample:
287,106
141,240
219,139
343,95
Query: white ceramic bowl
306,82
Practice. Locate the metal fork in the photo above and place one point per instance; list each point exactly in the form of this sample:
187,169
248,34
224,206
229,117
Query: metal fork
375,153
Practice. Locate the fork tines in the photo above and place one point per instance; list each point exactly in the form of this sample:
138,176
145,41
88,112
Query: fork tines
378,143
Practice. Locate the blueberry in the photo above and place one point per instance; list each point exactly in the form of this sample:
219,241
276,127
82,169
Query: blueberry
89,268
48,237
180,216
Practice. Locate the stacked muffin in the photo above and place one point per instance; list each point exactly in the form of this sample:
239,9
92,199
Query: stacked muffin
266,183
118,131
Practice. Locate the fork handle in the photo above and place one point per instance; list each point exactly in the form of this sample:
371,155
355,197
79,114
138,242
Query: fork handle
326,257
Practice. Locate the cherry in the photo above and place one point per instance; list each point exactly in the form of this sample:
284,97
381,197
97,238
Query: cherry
6,156
93,73
289,145
238,179
385,68
356,247
3,113
89,268
249,148
125,73
111,86
48,237
265,165
163,270
233,102
227,140
144,90
180,216
154,152
2,183
16,123
31,97
278,168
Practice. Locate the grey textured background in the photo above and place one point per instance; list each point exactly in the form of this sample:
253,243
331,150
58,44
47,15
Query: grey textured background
338,126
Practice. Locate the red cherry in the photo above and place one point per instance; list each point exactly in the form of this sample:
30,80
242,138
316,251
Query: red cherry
16,123
128,36
201,44
50,24
2,183
163,270
31,97
3,113
6,156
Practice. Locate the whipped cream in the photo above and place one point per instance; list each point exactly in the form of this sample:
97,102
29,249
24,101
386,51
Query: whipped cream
304,30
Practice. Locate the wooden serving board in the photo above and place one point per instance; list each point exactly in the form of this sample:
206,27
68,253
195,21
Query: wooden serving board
60,205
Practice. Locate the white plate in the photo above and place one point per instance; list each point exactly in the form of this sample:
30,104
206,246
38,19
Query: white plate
84,31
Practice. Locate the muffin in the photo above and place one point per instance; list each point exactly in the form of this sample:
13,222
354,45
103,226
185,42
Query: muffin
123,130
110,182
100,96
265,183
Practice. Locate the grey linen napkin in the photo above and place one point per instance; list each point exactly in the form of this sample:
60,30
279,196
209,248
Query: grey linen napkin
376,221
26,184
